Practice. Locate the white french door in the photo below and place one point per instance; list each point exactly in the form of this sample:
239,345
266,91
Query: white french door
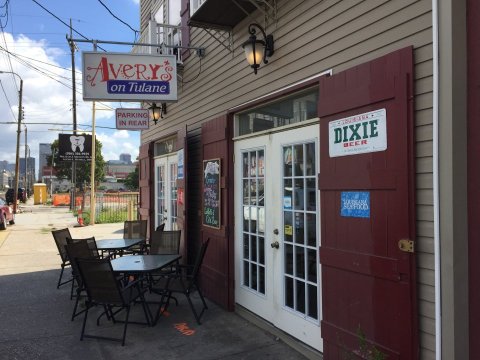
166,171
277,212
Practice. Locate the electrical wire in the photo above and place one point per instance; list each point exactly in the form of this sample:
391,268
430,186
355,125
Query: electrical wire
5,5
8,101
64,23
40,61
116,17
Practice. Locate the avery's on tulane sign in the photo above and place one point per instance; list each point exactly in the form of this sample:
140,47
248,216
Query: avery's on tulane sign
74,147
359,134
355,204
129,77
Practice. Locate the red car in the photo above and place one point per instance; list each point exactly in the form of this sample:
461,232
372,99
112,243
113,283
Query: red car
6,215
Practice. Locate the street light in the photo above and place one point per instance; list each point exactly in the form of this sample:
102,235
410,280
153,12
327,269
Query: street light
15,189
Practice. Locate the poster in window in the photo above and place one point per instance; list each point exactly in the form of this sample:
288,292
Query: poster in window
211,193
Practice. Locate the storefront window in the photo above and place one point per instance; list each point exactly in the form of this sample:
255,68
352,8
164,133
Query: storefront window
289,110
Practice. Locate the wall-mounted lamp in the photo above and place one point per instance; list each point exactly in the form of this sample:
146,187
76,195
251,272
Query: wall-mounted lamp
157,112
258,50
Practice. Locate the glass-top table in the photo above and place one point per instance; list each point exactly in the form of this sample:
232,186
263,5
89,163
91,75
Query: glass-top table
117,244
143,263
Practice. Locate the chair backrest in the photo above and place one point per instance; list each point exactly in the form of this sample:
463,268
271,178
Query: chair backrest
165,242
76,250
135,229
199,260
100,282
91,243
60,237
160,227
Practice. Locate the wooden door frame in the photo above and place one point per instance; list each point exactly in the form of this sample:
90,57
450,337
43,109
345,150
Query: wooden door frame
473,169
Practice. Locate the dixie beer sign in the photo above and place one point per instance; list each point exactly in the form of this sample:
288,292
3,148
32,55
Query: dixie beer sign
129,77
358,134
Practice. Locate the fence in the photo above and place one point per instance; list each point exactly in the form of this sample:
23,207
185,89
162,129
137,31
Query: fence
111,207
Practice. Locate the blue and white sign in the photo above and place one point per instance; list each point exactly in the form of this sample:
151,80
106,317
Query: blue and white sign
355,204
180,166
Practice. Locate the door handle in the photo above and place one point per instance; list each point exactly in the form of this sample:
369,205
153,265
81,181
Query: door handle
275,232
275,245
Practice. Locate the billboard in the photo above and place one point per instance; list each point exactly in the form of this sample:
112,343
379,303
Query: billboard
74,147
129,77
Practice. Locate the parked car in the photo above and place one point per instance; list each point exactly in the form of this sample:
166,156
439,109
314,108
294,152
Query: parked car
21,195
6,215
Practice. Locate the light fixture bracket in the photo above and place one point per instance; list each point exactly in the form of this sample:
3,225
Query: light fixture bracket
254,55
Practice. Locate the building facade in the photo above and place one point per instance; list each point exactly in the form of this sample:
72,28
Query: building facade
358,139
44,152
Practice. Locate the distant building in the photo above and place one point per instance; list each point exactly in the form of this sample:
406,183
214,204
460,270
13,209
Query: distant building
30,169
45,151
4,176
3,165
126,158
117,169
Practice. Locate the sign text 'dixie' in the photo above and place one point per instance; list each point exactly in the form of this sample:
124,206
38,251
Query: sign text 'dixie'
359,134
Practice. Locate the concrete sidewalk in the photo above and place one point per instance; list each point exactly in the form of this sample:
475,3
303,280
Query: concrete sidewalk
35,315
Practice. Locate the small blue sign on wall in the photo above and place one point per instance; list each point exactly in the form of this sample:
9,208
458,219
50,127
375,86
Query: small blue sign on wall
355,204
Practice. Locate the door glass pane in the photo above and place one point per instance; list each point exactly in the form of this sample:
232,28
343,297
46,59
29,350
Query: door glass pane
300,244
173,212
253,193
160,170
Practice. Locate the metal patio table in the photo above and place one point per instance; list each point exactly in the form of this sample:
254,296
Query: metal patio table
139,265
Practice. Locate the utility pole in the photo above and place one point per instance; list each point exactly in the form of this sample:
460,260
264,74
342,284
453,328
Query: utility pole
74,114
19,130
25,183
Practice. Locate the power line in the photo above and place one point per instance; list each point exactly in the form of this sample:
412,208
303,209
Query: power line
40,61
116,17
63,22
6,97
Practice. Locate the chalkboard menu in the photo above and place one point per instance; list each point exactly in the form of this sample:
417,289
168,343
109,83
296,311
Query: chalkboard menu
211,193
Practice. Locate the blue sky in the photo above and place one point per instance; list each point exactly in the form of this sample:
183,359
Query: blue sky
33,45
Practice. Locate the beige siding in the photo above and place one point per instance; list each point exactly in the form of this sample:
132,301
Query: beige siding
310,37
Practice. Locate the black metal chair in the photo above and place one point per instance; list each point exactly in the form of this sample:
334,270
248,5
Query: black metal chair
60,237
91,243
160,227
185,282
106,290
165,242
75,250
135,229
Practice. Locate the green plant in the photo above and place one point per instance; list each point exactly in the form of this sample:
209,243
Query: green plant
366,351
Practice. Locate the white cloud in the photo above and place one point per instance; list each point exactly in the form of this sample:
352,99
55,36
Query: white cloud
49,102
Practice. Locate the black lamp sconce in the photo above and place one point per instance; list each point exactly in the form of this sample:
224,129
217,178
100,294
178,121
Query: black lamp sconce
258,50
157,112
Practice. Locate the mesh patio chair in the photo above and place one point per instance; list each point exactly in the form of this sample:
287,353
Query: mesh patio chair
160,227
75,250
60,237
135,229
105,289
185,282
91,243
164,243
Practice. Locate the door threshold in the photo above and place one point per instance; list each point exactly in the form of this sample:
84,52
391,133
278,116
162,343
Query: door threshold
294,343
